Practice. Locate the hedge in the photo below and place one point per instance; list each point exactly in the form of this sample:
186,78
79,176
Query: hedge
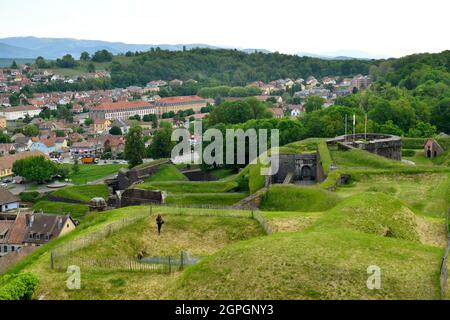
18,287
29,196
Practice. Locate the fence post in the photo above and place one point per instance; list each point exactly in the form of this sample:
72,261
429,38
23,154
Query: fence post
52,259
181,260
170,266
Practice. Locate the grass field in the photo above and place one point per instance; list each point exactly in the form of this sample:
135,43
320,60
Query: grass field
296,198
83,193
213,199
167,172
313,265
77,211
426,193
190,187
89,173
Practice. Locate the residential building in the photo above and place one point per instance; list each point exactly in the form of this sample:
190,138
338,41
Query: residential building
32,230
8,201
49,146
176,82
7,148
101,125
278,113
2,123
180,103
360,82
20,112
122,110
85,149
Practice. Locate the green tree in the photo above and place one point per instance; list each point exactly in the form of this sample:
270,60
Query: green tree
88,122
30,130
90,67
102,56
14,65
40,63
35,169
14,99
162,145
134,147
440,115
4,138
314,103
239,112
115,131
66,62
85,56
422,130
390,128
76,167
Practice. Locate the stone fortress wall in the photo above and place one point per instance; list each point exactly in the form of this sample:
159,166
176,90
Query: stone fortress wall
384,145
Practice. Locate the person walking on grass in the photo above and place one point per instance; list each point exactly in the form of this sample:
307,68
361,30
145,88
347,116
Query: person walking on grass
159,222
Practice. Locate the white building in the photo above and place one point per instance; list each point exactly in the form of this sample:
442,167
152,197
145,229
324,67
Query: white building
20,112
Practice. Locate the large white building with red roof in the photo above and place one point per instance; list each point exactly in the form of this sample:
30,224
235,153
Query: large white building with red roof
122,110
20,112
180,103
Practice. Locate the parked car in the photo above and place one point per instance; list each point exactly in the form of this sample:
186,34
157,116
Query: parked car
4,185
7,180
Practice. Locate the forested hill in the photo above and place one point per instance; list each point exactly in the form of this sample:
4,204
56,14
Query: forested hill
231,67
413,70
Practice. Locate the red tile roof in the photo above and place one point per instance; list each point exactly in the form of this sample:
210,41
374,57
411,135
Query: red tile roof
122,105
180,99
21,108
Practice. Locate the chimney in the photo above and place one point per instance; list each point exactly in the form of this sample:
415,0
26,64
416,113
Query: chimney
31,220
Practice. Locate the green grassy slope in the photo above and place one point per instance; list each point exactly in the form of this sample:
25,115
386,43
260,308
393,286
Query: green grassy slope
375,213
83,193
75,210
314,265
296,198
190,187
167,172
89,173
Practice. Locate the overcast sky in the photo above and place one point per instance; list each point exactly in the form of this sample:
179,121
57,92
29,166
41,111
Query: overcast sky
387,27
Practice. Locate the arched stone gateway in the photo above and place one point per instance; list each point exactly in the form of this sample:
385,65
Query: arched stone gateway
306,174
302,167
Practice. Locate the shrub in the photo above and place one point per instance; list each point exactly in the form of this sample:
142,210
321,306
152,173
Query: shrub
408,153
18,287
32,196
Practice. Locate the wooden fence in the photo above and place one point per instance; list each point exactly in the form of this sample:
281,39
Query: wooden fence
167,264
444,269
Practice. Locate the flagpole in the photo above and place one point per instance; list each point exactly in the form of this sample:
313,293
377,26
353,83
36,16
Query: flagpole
365,128
346,127
354,127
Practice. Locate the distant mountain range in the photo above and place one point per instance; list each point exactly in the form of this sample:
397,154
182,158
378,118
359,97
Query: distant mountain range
53,48
344,55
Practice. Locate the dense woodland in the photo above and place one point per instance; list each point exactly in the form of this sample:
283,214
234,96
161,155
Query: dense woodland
227,67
